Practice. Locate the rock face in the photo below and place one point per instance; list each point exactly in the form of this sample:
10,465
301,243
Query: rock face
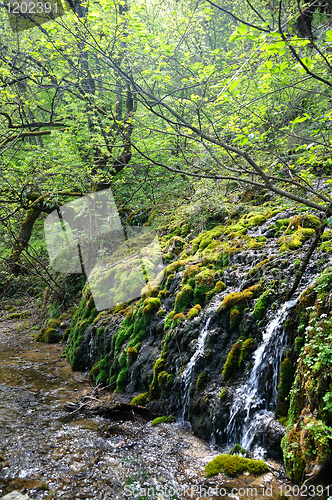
189,345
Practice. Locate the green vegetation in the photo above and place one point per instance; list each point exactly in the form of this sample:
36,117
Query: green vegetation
160,420
234,465
201,381
228,131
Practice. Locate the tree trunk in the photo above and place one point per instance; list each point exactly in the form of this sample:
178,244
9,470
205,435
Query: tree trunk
22,239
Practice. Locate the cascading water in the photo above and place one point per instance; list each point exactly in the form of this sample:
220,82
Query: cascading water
254,400
187,374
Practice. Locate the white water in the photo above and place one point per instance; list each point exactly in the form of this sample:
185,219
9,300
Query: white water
187,374
258,395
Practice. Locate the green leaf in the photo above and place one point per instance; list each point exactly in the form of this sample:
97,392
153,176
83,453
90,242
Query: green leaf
268,64
242,29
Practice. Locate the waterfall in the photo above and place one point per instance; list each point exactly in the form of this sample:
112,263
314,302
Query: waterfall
187,374
256,397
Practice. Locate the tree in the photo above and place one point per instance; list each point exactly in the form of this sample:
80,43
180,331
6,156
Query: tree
236,93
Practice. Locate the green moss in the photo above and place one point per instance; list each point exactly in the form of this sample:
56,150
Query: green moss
261,305
286,379
234,465
235,316
190,272
177,319
204,282
53,323
168,320
141,399
122,380
246,348
162,379
183,299
239,297
160,420
201,381
194,311
14,315
65,335
51,335
150,305
223,394
159,365
100,371
300,229
123,359
220,287
132,353
232,361
161,313
25,314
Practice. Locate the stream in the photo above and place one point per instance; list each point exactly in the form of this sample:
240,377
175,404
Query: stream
48,455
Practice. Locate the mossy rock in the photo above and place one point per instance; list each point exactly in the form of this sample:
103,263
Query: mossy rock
300,229
183,299
223,394
261,305
132,353
141,399
65,335
151,304
122,380
235,316
190,272
169,320
232,361
234,465
194,311
175,245
201,381
285,379
246,348
160,420
239,297
177,319
204,282
51,335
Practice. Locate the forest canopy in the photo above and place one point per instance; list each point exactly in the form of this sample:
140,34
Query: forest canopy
149,97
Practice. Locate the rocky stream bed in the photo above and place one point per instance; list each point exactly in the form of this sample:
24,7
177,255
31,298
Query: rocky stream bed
46,453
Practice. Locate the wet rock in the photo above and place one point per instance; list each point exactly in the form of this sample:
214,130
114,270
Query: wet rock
15,495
